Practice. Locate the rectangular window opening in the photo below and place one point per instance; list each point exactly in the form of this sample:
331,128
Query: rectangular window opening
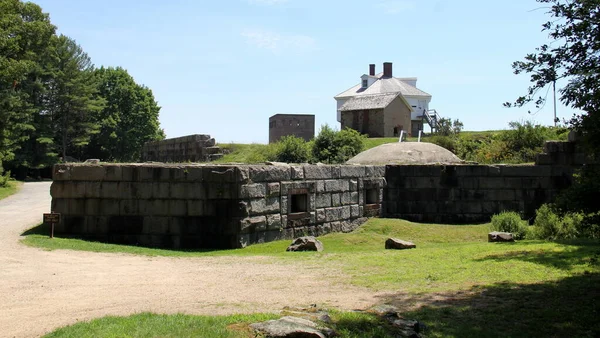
299,203
372,196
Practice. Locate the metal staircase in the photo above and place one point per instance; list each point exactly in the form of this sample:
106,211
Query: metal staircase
433,119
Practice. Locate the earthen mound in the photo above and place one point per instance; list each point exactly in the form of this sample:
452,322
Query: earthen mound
405,153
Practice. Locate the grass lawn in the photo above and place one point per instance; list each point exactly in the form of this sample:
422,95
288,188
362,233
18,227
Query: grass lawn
347,324
243,153
12,188
455,282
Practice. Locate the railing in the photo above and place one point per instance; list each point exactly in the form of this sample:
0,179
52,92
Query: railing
433,119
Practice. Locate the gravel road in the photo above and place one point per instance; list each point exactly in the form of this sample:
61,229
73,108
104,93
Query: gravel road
43,290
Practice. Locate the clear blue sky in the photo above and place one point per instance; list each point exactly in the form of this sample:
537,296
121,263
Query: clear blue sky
223,67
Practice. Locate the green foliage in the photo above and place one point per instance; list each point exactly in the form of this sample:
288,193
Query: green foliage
292,149
447,142
550,225
25,35
510,221
128,120
4,179
582,198
448,127
336,147
519,144
52,99
575,61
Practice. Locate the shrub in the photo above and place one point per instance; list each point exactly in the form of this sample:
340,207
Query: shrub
323,147
550,225
348,143
509,221
444,142
292,149
4,179
336,147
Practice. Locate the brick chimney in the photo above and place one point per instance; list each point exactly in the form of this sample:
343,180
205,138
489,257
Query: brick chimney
372,69
387,69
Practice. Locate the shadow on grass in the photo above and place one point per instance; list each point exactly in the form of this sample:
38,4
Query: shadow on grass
566,308
44,230
575,252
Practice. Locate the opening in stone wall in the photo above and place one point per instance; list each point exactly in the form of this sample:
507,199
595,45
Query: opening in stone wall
372,196
298,203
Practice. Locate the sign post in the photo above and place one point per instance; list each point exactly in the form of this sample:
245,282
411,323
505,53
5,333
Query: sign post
52,219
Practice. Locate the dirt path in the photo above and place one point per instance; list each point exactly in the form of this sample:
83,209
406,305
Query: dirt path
43,290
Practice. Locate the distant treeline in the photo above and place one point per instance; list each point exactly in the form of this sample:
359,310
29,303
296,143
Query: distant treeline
56,106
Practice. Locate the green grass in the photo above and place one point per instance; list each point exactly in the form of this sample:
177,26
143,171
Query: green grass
10,189
245,153
153,325
347,324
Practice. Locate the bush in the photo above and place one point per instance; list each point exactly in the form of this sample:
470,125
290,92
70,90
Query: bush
444,142
348,143
550,225
509,221
292,149
4,179
336,147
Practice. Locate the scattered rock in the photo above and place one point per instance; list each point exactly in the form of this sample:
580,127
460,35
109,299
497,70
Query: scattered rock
307,243
496,236
289,327
398,244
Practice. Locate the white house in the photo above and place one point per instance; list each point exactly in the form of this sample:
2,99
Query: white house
375,88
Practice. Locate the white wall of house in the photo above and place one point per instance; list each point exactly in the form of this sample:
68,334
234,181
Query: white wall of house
340,103
418,105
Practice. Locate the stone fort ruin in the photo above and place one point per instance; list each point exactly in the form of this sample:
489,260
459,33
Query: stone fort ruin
231,206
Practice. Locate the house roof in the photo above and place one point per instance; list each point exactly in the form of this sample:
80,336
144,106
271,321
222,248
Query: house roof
377,101
385,85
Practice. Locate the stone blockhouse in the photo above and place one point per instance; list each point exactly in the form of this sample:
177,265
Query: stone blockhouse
382,105
299,125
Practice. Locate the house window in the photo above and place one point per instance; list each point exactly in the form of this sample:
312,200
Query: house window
365,83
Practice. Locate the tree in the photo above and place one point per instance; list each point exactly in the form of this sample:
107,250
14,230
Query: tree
447,127
73,97
573,55
25,34
128,120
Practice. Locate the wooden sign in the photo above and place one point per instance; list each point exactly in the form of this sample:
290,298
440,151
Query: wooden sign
52,218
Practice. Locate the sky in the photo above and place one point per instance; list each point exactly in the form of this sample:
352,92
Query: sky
224,67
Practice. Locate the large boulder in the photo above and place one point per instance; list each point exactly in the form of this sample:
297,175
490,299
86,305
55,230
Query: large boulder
307,243
289,327
497,236
398,244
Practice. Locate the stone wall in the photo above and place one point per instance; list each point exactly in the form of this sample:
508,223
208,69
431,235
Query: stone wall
562,153
469,193
202,206
230,206
192,148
